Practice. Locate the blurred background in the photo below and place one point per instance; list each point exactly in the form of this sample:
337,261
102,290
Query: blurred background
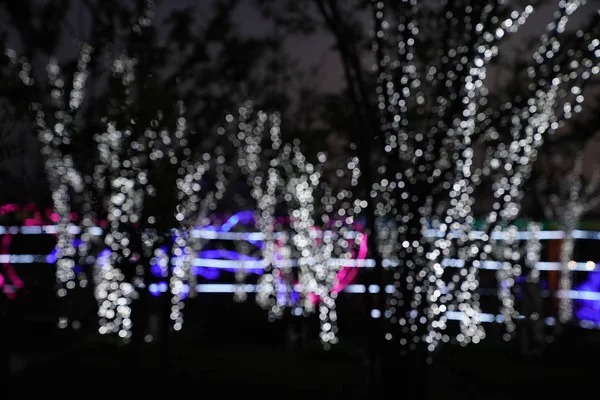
337,199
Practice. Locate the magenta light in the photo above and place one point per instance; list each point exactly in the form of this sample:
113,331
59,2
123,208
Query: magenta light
345,276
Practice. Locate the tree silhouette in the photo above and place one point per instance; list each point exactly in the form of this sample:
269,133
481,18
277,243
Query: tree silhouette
426,116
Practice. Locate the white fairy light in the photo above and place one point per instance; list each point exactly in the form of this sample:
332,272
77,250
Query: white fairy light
317,276
122,175
425,293
198,198
191,209
262,175
126,190
568,199
114,294
509,254
56,123
196,203
533,251
240,295
260,156
279,175
532,302
435,182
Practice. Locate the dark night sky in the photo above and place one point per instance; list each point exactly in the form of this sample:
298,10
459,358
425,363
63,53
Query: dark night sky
308,50
317,49
313,49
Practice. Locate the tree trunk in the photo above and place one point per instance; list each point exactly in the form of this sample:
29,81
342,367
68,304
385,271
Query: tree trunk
565,309
404,361
140,307
165,326
532,334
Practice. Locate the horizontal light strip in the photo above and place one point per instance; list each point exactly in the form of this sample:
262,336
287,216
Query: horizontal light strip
355,289
203,233
23,258
578,295
498,318
451,315
47,230
259,264
486,317
232,288
337,262
370,263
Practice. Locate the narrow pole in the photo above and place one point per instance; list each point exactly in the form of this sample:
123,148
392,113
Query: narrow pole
165,319
375,301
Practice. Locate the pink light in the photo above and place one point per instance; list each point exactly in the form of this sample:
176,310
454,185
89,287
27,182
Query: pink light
35,221
12,207
344,277
7,268
347,274
8,208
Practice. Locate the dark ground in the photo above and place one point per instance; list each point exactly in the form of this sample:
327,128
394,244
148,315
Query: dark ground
240,354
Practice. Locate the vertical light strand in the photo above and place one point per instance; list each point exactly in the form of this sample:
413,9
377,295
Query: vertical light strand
510,269
114,293
570,218
533,338
182,273
55,129
125,203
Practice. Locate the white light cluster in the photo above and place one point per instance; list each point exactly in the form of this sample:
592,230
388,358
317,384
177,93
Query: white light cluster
200,194
436,180
533,251
113,293
119,165
532,303
320,215
263,177
541,114
265,182
198,199
122,177
56,121
537,117
338,209
429,160
568,199
508,253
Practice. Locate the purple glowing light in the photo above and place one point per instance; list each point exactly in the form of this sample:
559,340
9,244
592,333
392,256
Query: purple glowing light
208,270
589,310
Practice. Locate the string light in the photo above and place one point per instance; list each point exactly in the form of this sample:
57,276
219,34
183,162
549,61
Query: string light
509,253
445,165
532,307
432,188
56,124
280,176
120,160
196,203
436,177
568,200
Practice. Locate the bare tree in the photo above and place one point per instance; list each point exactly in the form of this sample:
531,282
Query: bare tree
570,189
